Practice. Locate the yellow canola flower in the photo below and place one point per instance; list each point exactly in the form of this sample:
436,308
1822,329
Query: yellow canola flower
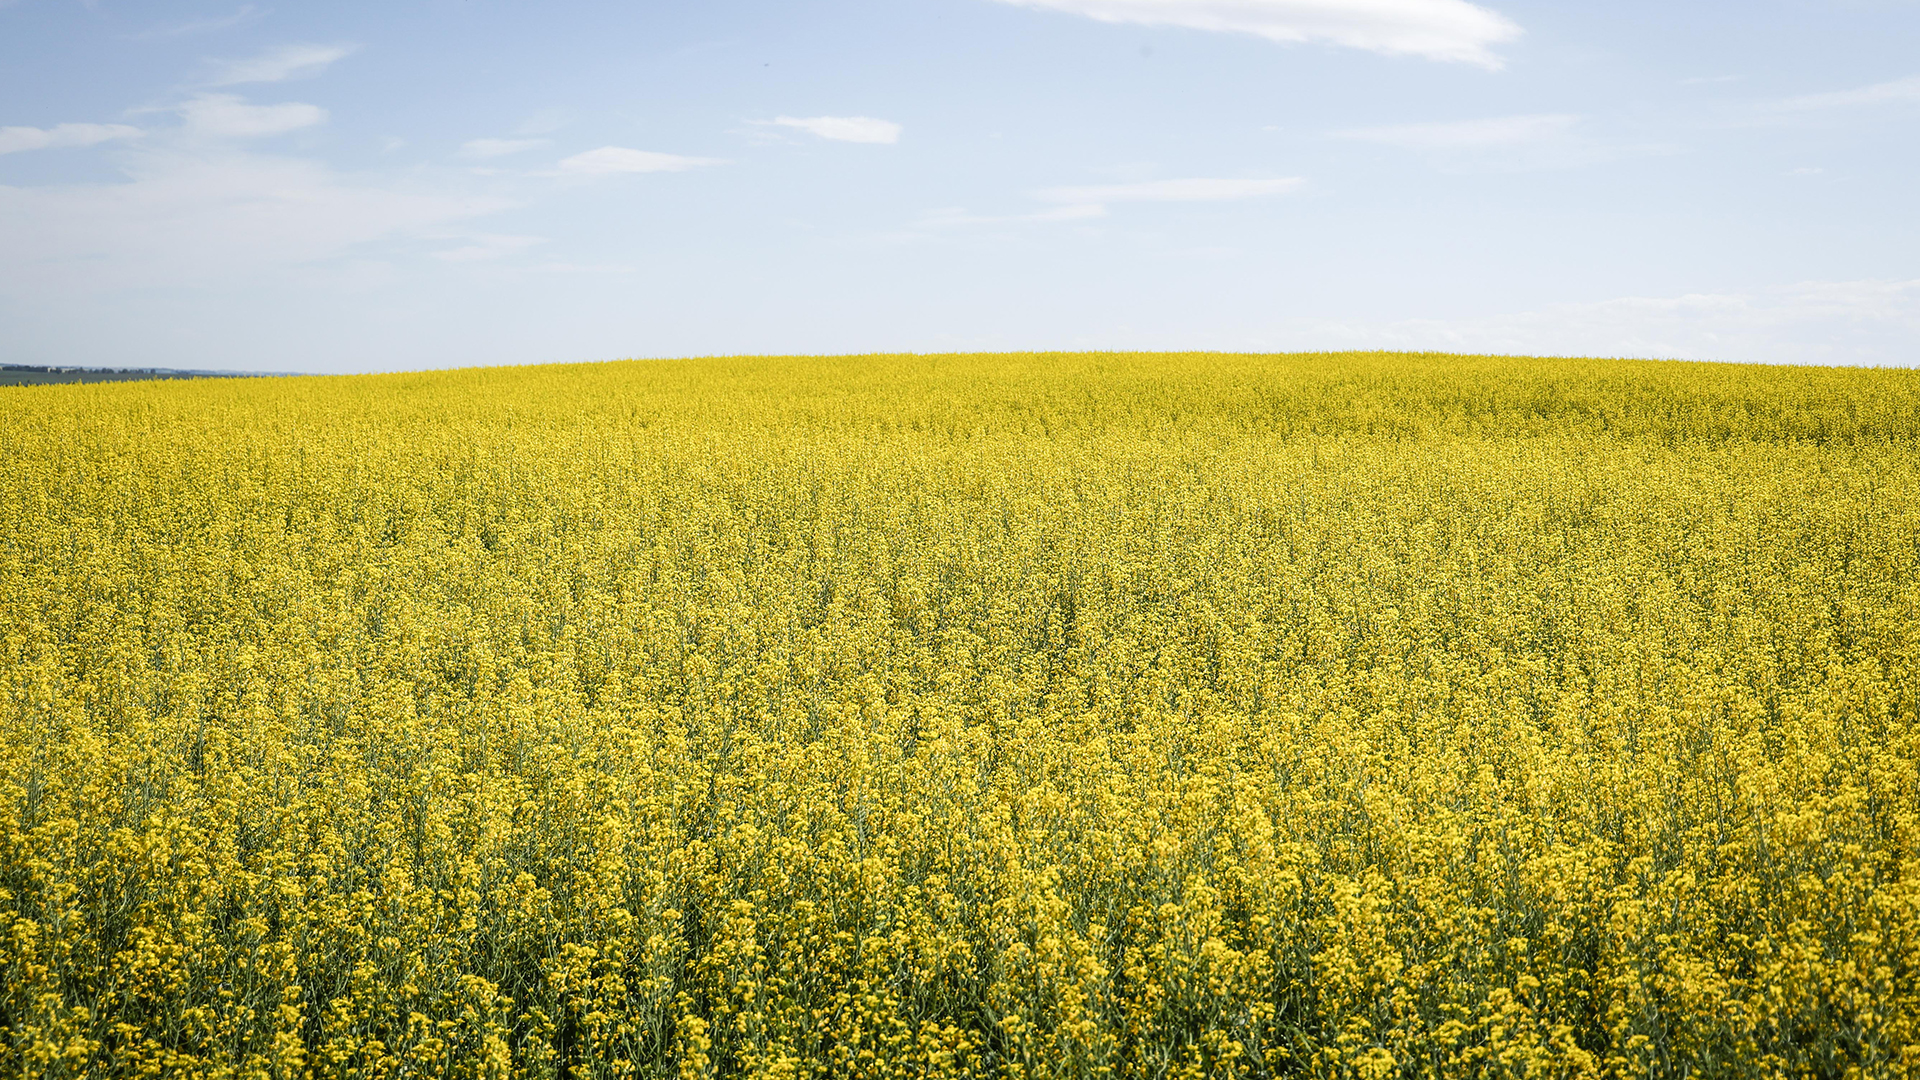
1041,716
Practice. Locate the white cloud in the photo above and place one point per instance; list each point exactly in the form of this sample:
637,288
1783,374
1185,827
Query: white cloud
225,116
1090,202
1452,30
1895,91
544,122
581,268
955,217
246,13
609,160
281,64
485,246
1071,212
955,225
859,129
16,139
493,148
1843,322
1190,190
1508,143
1467,134
195,216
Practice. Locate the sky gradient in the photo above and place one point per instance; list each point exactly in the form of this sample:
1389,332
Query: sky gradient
361,187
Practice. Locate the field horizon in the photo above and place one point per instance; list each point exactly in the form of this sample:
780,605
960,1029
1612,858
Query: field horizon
40,374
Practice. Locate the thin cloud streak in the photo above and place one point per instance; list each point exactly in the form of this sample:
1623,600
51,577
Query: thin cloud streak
493,148
1892,92
281,64
1189,190
1446,30
1466,134
199,215
954,217
1816,322
1090,202
15,139
489,246
855,129
246,14
614,160
226,116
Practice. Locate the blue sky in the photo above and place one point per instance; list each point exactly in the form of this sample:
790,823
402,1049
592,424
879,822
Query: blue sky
357,186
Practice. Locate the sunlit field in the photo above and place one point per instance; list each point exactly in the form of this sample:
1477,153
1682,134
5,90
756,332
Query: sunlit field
998,716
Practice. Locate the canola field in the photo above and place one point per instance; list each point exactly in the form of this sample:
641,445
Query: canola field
1039,716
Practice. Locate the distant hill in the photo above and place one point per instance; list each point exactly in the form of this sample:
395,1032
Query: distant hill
36,375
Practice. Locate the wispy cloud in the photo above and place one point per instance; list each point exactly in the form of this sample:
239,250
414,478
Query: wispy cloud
226,116
580,268
611,160
210,215
1450,30
15,139
1895,91
281,64
1811,322
493,148
956,217
1091,202
1827,107
857,129
543,122
1188,190
1508,143
488,246
246,14
1467,134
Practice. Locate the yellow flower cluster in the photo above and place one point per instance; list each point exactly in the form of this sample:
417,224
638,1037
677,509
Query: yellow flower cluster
1012,716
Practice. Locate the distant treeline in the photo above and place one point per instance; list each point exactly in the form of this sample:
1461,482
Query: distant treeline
36,375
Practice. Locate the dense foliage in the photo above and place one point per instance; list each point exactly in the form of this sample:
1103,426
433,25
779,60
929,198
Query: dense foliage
1023,716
